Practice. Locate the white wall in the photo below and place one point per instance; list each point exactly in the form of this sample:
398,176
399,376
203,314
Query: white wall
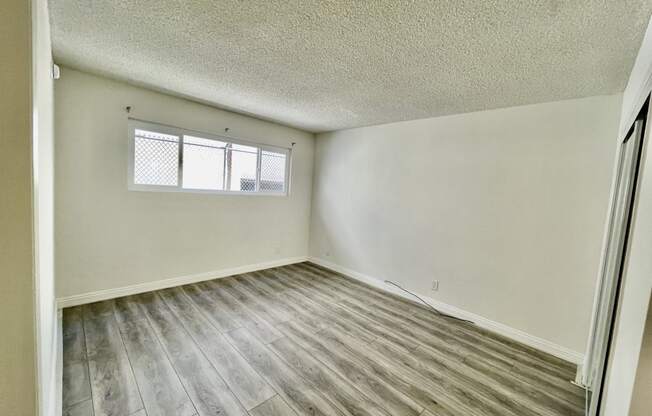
505,207
43,200
637,281
108,237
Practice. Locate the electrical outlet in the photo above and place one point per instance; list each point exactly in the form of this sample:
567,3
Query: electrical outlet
435,285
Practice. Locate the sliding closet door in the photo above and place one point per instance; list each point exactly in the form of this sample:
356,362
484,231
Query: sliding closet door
612,267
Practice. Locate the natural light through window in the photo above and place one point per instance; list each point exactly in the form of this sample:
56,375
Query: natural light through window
172,159
203,163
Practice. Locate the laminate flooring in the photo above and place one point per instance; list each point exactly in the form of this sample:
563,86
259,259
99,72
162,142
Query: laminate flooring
298,340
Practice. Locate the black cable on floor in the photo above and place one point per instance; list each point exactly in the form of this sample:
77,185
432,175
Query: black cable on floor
427,304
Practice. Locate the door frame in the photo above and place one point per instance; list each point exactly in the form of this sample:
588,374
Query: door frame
609,286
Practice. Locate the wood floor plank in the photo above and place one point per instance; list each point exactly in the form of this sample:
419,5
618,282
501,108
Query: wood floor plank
241,378
267,294
349,367
248,318
419,330
551,397
113,385
422,312
451,393
394,318
221,318
416,335
75,381
204,385
453,348
514,350
298,282
298,340
563,388
434,394
336,388
329,316
506,361
269,278
275,406
159,385
301,294
296,392
363,289
240,292
72,320
495,385
363,317
456,380
84,408
472,343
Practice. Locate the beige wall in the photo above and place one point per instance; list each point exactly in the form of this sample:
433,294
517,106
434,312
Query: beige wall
642,399
110,237
17,344
505,207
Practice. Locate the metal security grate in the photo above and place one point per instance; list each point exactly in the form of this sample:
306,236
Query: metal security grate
272,171
167,158
156,158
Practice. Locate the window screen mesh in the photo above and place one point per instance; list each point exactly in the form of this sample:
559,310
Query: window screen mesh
272,171
156,158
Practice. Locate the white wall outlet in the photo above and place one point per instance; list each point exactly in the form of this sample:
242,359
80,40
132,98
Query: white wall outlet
435,285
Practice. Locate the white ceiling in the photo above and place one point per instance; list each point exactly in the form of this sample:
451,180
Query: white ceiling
327,65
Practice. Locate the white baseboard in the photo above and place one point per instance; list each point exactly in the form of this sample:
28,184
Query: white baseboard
105,294
512,333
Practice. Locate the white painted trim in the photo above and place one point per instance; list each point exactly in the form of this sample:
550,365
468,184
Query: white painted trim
512,333
639,84
105,294
59,365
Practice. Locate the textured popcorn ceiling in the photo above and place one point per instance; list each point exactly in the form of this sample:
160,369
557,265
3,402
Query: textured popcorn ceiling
326,65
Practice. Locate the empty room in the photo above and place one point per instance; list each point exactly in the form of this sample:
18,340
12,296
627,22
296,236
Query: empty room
337,208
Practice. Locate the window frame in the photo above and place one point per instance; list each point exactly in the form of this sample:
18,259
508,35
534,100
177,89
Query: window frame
136,124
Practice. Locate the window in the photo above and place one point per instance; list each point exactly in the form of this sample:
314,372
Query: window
172,159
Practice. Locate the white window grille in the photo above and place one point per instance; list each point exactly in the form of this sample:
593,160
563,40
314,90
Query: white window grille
164,158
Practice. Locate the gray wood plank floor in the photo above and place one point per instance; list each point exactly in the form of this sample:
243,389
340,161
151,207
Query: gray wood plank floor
298,340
